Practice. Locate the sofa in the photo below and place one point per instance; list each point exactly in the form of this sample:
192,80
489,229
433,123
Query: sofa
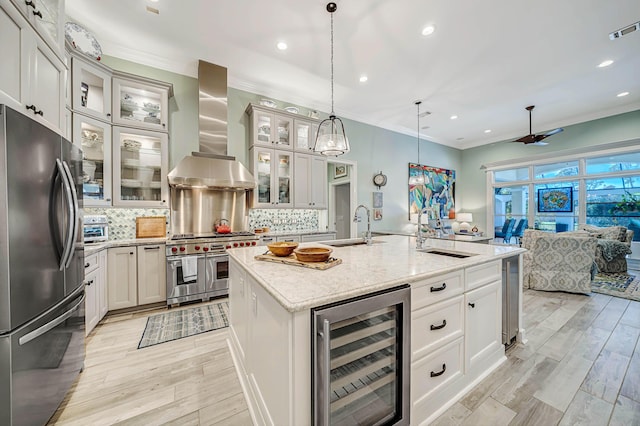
559,261
614,244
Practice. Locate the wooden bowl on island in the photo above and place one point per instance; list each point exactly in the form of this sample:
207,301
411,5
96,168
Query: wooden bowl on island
312,254
282,248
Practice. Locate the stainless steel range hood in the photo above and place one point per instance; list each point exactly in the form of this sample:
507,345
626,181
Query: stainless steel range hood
211,168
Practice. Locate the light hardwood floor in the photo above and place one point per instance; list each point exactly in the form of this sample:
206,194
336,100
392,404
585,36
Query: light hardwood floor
581,366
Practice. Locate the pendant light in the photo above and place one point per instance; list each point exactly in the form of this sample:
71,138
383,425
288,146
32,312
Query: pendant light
331,138
418,179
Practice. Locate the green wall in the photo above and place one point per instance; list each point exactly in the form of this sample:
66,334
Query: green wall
473,191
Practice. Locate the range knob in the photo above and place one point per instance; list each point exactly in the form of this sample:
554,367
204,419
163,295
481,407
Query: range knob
228,246
182,249
197,247
235,244
253,243
206,249
241,244
174,249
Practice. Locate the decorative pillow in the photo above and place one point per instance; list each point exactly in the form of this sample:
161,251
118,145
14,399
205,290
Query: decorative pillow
618,233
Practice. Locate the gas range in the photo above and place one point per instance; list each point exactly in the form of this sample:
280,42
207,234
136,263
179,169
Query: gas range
189,244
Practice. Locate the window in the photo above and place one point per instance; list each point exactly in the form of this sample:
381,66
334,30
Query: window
556,221
512,175
613,201
613,163
550,171
510,202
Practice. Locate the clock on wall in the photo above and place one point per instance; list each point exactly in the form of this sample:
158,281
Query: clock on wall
380,180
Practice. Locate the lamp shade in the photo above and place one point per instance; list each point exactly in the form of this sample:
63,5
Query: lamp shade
331,138
464,217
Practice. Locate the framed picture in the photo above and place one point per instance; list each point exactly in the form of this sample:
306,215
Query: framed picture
437,192
377,214
340,171
377,200
556,200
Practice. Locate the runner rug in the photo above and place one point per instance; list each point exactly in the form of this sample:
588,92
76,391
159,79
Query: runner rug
622,285
176,324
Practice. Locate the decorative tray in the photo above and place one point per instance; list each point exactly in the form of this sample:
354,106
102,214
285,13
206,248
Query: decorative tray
291,260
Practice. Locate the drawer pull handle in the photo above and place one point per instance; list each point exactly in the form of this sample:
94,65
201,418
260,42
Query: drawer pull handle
473,305
37,13
86,265
439,373
434,289
152,248
438,327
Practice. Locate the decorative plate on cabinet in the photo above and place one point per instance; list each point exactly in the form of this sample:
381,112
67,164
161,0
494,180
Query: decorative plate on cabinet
82,40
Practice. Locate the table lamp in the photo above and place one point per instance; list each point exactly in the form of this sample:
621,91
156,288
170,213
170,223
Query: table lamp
464,219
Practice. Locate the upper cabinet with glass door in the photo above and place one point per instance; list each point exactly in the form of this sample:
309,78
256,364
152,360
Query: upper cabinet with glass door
94,138
140,168
90,87
304,136
47,17
270,127
141,102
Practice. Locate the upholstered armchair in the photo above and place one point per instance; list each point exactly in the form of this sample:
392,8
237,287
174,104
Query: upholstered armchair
614,244
559,262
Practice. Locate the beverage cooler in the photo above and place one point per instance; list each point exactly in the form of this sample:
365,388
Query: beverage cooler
361,359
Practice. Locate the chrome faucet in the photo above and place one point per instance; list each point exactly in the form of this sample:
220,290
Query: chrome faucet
419,238
367,236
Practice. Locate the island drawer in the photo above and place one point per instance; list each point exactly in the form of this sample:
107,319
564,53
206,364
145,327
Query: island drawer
429,291
436,325
479,275
431,374
90,263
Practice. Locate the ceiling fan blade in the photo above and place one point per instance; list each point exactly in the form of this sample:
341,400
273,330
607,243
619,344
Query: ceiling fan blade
554,131
540,143
527,139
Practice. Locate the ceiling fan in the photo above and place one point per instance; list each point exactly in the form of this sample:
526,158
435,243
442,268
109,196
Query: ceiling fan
536,139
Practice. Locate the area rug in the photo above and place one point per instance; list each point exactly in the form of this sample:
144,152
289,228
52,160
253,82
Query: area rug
177,324
622,285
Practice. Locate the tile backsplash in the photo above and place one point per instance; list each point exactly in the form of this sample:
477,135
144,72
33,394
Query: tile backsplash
284,220
122,222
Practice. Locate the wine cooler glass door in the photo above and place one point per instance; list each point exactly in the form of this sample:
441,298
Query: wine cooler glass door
362,360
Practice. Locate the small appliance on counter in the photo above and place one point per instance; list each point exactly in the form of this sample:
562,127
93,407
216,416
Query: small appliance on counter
95,228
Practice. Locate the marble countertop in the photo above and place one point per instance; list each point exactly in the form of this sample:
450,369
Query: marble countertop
364,269
283,233
93,248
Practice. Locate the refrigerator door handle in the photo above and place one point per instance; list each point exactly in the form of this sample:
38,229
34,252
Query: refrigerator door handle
326,349
74,223
48,326
69,238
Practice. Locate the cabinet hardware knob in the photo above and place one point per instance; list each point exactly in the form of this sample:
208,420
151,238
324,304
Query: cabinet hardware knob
442,287
86,265
107,199
108,114
473,305
130,252
37,13
30,3
438,327
439,373
89,282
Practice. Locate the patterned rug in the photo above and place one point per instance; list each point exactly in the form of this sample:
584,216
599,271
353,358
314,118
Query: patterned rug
622,285
177,324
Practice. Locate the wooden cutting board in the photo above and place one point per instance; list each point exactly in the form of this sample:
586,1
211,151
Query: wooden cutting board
291,260
151,227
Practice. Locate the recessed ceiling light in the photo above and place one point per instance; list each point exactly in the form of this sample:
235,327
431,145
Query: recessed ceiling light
453,117
622,94
153,1
488,131
282,45
363,78
605,63
428,30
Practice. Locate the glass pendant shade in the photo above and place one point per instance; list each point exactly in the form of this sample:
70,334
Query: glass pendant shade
331,138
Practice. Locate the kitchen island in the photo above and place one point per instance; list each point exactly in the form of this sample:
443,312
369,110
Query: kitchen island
271,322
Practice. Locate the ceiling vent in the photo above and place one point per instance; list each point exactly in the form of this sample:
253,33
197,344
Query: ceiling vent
624,31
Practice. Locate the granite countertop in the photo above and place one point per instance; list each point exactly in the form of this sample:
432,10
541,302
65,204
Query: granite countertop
92,248
364,269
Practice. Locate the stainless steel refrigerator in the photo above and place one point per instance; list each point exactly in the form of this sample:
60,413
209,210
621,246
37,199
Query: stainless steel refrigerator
41,269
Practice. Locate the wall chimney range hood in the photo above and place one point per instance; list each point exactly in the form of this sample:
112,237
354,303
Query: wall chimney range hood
211,167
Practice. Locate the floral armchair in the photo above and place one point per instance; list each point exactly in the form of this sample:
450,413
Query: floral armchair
614,244
559,262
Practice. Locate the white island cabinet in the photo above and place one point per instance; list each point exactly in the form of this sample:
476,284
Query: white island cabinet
456,317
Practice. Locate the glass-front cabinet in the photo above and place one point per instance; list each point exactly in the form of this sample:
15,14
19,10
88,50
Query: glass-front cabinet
94,138
304,136
273,169
139,168
269,128
140,102
47,17
91,88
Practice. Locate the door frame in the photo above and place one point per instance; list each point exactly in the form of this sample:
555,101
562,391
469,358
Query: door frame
353,201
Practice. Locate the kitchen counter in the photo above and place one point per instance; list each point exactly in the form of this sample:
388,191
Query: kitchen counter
92,248
392,261
286,233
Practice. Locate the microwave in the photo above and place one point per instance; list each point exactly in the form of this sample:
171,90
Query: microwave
95,228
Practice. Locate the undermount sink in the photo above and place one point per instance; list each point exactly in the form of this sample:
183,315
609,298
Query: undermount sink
349,243
444,252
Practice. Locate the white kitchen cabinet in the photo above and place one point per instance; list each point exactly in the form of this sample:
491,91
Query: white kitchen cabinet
326,236
483,327
90,87
274,171
310,181
123,277
289,238
103,301
94,138
239,307
95,289
47,18
33,80
140,167
92,311
304,136
140,102
270,128
152,276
